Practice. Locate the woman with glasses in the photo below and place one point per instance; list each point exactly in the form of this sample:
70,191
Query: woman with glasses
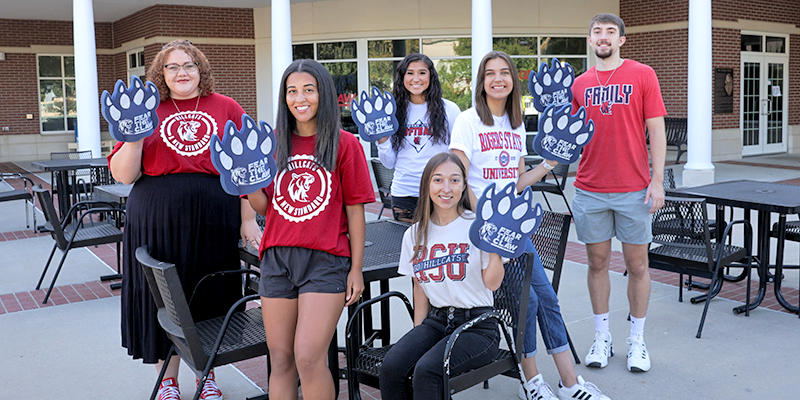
178,209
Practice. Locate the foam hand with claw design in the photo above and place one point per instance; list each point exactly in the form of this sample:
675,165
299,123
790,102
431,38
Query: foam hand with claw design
562,135
505,222
243,157
375,116
551,85
131,113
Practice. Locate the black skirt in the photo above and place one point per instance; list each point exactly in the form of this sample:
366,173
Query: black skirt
187,220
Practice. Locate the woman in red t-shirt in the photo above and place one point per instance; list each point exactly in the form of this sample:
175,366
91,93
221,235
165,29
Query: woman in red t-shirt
177,207
310,269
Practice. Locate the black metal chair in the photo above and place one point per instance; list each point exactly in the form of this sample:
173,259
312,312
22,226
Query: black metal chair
511,307
383,179
77,234
681,230
550,241
559,174
20,194
202,345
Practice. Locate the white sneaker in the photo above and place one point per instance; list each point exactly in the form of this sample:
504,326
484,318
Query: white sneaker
538,389
638,357
583,391
600,351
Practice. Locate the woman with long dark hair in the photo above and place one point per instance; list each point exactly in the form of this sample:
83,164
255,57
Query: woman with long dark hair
425,119
312,250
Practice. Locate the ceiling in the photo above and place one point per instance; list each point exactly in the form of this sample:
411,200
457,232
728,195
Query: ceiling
108,10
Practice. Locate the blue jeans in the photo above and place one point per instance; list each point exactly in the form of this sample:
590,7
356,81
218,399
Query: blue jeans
543,305
418,355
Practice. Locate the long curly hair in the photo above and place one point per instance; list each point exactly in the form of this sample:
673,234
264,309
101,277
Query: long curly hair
437,116
422,216
328,121
155,73
513,101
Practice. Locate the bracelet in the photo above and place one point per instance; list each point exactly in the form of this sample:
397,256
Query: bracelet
547,166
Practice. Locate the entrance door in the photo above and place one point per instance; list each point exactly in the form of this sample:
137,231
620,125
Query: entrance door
764,104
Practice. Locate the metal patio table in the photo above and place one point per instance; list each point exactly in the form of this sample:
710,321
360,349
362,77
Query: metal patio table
64,170
766,198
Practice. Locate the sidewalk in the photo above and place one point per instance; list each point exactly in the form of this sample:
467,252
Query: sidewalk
72,350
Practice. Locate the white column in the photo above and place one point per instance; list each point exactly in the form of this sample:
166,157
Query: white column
698,169
281,47
86,94
481,36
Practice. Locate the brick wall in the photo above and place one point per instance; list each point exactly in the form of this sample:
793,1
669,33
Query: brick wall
666,51
24,33
19,89
182,21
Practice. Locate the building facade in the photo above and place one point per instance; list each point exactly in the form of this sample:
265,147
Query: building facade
756,58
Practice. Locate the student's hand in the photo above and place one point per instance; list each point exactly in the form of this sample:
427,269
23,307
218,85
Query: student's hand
655,192
250,233
355,286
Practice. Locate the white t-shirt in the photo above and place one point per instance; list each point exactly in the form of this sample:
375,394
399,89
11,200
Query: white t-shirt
418,147
493,151
456,284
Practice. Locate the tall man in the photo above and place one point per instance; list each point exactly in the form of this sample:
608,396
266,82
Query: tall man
614,193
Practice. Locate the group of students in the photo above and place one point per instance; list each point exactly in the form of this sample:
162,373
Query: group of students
312,247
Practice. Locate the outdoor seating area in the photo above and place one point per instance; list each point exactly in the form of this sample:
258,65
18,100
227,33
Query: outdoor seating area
78,326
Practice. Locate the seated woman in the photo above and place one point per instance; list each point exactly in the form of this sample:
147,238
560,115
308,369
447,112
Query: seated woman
445,295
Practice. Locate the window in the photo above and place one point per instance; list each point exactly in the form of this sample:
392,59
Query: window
340,58
136,64
57,108
762,43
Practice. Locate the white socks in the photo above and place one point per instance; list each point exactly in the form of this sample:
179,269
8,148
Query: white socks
637,326
601,322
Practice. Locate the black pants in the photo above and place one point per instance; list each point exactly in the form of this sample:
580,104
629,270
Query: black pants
420,352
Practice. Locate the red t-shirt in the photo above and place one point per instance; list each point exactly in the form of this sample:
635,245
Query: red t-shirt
307,207
616,160
181,140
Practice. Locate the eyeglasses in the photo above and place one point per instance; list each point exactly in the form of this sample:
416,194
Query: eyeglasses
189,67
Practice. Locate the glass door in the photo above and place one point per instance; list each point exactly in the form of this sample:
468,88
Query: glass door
764,103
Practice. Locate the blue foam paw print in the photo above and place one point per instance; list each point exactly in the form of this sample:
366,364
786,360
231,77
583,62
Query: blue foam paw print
375,115
552,85
562,135
505,222
243,157
131,112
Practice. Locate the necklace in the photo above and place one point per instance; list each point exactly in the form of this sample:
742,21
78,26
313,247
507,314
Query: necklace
179,110
610,76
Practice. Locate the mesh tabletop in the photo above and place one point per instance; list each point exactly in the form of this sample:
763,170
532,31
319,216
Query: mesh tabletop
382,253
756,195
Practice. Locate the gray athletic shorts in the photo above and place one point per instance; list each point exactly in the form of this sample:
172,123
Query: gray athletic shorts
601,216
288,271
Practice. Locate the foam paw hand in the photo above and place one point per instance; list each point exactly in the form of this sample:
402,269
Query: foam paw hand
551,85
243,157
505,222
131,112
562,135
375,116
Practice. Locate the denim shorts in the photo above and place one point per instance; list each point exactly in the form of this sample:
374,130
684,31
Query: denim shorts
602,216
287,272
404,207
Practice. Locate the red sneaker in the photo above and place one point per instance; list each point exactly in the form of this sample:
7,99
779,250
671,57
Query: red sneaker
210,389
169,390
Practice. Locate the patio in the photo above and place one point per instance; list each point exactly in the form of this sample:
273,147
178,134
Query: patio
69,348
